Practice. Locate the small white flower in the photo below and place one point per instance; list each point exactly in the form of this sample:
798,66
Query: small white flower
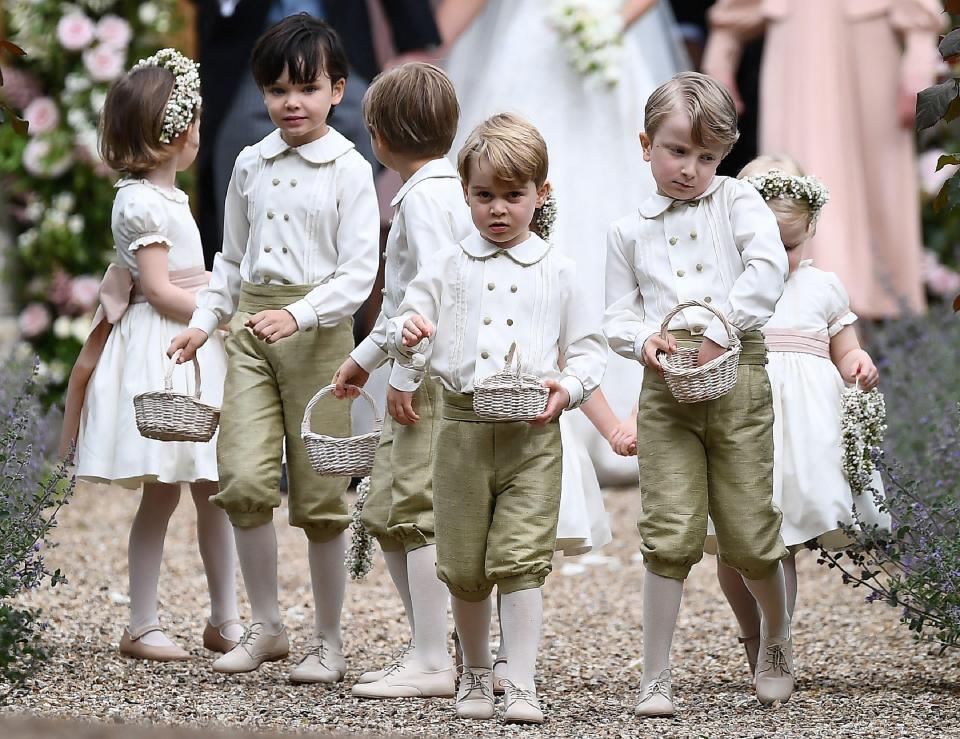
77,119
56,218
75,82
75,224
98,98
27,239
147,13
62,327
58,370
64,201
80,328
34,211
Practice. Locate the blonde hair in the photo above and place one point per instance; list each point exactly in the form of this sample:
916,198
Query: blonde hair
790,211
132,121
414,109
513,146
712,112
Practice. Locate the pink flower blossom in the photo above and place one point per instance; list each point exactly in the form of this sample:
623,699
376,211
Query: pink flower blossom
114,31
75,31
34,320
42,114
103,63
940,279
84,294
19,87
36,160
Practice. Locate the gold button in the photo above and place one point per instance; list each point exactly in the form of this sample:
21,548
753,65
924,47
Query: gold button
692,203
693,234
268,248
673,240
276,181
284,249
384,254
309,328
513,288
383,291
267,279
708,299
286,281
509,321
293,183
286,216
487,321
680,273
698,329
484,355
490,286
270,214
699,268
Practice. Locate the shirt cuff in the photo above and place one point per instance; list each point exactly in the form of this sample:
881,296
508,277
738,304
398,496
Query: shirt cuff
573,386
304,314
205,320
717,333
638,346
405,379
369,355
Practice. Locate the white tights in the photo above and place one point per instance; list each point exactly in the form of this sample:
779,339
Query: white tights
742,602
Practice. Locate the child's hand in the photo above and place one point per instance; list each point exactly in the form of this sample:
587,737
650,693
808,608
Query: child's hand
415,329
557,402
187,343
654,344
272,325
623,438
352,373
863,371
709,350
400,405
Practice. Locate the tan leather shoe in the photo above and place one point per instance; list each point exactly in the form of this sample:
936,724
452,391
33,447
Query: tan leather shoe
657,698
132,646
254,648
410,682
774,677
395,663
521,705
475,694
214,640
322,664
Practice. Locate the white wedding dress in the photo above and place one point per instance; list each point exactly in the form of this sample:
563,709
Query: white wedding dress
509,59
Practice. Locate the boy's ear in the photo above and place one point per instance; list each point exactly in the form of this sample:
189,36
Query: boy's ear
647,145
337,91
543,192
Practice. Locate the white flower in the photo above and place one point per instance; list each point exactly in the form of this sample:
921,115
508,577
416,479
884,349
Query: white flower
27,239
42,114
76,82
89,144
56,218
75,224
75,31
77,119
185,97
64,201
36,160
80,328
58,370
34,211
591,33
104,63
97,100
147,13
62,327
114,31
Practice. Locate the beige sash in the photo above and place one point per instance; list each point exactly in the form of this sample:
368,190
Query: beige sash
117,291
805,342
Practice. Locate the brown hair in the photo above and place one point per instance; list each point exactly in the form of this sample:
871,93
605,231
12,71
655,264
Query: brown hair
132,121
790,211
414,109
512,145
712,112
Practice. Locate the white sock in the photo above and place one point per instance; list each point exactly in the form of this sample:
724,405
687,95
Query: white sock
429,599
397,567
522,618
790,581
661,604
257,552
144,554
473,628
328,575
742,603
770,594
218,552
502,648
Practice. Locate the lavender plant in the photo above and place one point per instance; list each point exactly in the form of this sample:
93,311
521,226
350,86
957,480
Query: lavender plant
32,489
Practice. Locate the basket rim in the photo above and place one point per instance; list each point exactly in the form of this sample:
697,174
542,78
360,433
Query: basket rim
668,368
313,436
305,425
164,394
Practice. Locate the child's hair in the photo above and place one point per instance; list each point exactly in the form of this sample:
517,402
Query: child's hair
414,109
303,45
512,145
795,198
132,122
712,112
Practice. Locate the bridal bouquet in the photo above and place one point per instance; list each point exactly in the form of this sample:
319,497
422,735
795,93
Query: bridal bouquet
863,422
591,32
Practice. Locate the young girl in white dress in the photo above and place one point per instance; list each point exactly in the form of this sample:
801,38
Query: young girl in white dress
813,352
150,131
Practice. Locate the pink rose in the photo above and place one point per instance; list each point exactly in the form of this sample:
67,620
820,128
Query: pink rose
940,279
34,320
75,31
36,160
43,115
60,290
84,294
103,63
114,31
19,87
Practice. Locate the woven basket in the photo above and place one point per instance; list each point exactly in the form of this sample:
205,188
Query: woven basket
689,383
351,456
170,416
510,395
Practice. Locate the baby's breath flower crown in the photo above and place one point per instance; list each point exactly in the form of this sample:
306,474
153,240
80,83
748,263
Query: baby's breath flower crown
544,217
778,184
184,98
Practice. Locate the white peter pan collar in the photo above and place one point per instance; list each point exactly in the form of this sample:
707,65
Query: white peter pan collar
324,150
435,168
656,204
526,253
175,194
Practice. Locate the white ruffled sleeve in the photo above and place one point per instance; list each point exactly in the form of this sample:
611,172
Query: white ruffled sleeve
839,314
143,221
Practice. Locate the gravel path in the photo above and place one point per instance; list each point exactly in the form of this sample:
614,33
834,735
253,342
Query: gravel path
860,675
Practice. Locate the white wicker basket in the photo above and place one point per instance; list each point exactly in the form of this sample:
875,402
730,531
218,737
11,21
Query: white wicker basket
510,395
170,416
689,383
351,456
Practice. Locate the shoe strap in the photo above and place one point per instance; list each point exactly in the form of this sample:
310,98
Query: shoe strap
143,632
220,627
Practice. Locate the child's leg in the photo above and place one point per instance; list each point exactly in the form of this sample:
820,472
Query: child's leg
790,579
396,560
744,608
472,619
429,599
215,541
257,552
522,618
144,554
329,579
771,596
661,605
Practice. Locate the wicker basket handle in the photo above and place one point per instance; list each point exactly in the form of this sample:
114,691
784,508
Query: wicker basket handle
168,377
508,364
308,411
731,335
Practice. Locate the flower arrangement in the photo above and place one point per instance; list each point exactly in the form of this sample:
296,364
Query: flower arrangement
185,98
545,217
863,421
591,32
359,559
778,184
58,192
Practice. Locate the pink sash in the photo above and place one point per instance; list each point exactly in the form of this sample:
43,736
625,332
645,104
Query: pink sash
805,342
117,291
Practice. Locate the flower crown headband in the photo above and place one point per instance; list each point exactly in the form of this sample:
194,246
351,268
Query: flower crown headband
184,98
778,184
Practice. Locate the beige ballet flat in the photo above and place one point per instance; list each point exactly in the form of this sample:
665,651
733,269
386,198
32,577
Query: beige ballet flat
214,640
132,646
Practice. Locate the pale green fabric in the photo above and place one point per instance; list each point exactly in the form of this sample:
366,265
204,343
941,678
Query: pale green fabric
496,497
714,457
266,390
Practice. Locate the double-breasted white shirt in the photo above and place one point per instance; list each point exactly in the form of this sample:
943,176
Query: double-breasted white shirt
303,215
